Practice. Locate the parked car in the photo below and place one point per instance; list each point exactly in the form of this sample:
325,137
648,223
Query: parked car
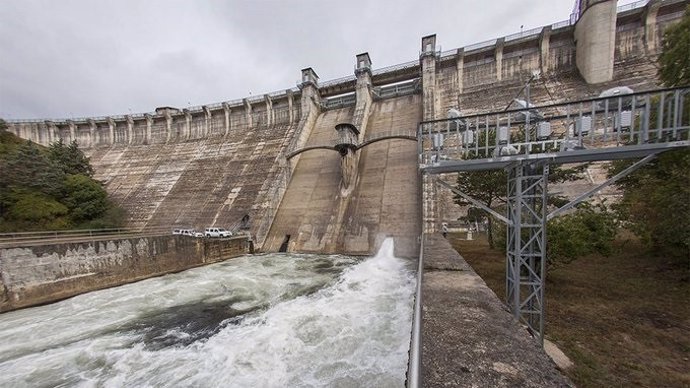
217,232
191,233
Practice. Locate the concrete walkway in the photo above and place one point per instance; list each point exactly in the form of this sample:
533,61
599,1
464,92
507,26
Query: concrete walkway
469,339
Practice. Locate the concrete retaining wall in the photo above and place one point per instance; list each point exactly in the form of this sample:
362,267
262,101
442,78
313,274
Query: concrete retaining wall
47,273
469,339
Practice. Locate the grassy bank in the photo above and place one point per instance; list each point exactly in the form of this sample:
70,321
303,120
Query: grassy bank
624,320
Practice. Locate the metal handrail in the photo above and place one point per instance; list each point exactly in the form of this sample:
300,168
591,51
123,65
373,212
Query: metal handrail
336,81
523,34
397,67
414,364
7,237
631,6
645,120
561,24
476,46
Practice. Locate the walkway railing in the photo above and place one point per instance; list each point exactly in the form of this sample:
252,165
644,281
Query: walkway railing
651,119
18,239
414,364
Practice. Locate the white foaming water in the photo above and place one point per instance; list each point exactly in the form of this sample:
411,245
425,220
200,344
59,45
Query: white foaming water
262,321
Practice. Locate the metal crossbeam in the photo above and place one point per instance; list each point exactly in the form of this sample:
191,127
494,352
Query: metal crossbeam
608,182
474,201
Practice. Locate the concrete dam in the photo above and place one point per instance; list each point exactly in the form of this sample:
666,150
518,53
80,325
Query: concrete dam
327,167
212,165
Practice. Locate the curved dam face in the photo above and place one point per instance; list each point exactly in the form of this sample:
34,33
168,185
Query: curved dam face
214,180
383,202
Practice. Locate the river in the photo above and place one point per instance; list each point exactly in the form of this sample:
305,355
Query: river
275,320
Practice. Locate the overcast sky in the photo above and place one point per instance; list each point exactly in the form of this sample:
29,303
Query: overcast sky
61,59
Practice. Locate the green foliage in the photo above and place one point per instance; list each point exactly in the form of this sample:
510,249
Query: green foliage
28,167
86,199
587,230
36,207
113,217
70,158
655,203
489,187
50,188
674,60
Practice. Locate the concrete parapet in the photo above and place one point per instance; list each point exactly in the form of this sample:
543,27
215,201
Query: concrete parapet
468,337
47,273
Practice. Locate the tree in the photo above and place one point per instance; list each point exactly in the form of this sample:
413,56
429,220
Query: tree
29,168
70,158
675,53
489,187
655,198
655,202
86,198
36,207
589,229
50,188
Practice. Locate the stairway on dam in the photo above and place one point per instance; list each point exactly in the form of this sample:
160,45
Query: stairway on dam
385,201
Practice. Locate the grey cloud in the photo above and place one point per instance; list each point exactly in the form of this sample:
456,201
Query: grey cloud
82,57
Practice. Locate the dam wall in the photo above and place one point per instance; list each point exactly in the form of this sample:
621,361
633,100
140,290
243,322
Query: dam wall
384,201
47,273
212,165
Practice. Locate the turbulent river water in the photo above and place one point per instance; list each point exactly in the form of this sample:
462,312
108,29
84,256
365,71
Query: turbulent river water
277,320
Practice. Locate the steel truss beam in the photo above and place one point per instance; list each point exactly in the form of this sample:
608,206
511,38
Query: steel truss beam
526,244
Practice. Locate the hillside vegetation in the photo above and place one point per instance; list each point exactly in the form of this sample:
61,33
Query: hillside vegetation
50,188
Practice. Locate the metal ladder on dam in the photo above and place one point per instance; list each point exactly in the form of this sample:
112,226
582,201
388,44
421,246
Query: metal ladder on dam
525,142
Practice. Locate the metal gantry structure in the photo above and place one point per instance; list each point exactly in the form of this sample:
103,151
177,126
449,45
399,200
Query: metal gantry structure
525,142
